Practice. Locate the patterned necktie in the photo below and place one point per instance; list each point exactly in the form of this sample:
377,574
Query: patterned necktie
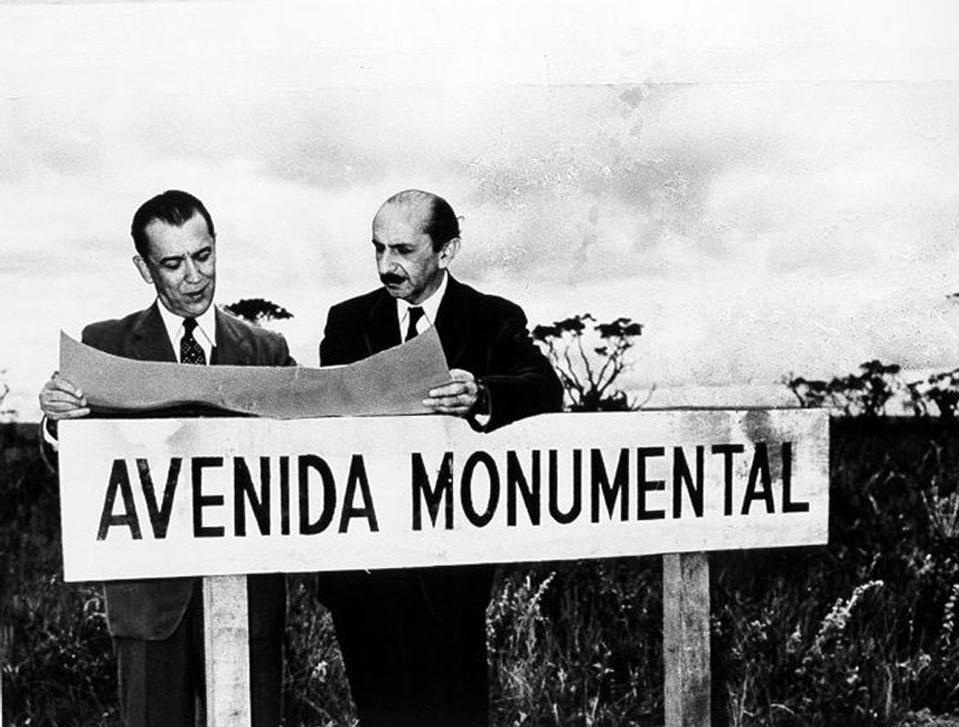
190,350
415,314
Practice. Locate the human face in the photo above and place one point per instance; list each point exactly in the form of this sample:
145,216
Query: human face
181,265
408,266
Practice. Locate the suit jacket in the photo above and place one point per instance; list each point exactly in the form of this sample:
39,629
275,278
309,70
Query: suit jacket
152,609
483,334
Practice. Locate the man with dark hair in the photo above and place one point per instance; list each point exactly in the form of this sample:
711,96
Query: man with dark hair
172,207
157,625
414,640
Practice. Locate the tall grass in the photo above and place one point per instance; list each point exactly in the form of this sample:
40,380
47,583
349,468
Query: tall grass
55,657
570,643
860,632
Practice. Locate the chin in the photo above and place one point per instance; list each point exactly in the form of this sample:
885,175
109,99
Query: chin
195,310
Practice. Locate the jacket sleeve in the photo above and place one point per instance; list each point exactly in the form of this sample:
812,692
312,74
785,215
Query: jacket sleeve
333,348
49,442
283,357
521,381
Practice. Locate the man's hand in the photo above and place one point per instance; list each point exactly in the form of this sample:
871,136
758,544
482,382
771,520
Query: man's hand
457,397
60,399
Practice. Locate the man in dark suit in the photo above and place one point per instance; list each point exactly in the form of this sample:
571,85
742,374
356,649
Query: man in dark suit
414,640
157,625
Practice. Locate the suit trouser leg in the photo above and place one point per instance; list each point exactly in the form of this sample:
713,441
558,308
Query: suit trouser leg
162,682
453,662
414,645
366,630
448,645
267,606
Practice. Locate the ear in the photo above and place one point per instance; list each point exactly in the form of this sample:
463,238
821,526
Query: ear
449,252
143,269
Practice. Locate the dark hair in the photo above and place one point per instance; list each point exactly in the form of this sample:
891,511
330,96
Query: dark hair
439,220
173,207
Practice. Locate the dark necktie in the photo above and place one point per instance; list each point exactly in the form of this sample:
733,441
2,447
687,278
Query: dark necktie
190,350
415,314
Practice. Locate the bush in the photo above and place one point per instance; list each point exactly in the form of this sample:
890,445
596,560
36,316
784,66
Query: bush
589,358
863,394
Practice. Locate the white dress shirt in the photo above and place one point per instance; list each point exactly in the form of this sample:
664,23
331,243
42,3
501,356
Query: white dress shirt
430,308
204,333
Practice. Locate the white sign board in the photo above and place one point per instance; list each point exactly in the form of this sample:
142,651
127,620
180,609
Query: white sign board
147,498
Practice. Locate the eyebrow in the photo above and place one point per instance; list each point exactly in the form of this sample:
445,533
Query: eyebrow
170,258
394,245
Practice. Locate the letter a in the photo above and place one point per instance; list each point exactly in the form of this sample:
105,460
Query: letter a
119,480
357,476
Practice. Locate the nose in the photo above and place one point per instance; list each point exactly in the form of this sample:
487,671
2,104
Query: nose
192,271
385,263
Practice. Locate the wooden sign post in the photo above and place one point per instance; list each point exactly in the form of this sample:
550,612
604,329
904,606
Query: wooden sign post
226,644
686,690
247,496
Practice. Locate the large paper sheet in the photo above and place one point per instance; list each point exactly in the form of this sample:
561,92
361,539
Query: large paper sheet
394,381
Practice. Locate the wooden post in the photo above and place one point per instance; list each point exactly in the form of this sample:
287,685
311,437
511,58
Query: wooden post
227,651
686,691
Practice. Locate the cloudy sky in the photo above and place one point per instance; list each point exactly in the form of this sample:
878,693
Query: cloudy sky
771,189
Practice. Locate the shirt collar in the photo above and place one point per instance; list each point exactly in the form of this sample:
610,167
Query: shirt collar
430,306
205,327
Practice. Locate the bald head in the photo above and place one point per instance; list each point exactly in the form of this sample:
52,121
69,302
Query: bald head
426,212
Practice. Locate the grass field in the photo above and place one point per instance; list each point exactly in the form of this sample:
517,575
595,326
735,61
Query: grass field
860,632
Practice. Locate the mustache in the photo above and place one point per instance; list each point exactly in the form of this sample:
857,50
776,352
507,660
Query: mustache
391,278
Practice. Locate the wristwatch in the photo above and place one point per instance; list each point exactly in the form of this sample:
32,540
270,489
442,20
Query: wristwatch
482,399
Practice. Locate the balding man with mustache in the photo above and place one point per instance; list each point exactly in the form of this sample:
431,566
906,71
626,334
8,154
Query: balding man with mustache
414,640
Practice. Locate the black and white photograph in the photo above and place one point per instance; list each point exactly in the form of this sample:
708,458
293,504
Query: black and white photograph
428,364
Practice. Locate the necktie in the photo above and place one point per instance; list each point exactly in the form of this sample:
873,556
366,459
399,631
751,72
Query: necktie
415,314
190,350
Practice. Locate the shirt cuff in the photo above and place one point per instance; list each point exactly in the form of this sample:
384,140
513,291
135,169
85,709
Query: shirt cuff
49,434
482,420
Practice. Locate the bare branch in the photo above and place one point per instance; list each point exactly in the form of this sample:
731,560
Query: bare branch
585,359
649,395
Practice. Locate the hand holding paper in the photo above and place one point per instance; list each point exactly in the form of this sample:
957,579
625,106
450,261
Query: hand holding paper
458,397
60,399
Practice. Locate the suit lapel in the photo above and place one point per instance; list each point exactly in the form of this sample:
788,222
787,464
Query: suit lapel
232,349
452,321
383,330
149,340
